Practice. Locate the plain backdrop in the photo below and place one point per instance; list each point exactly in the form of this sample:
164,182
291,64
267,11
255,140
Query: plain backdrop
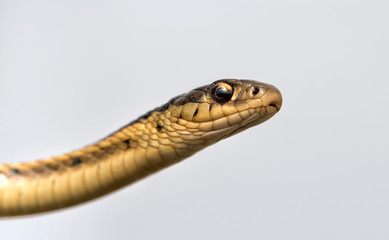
72,72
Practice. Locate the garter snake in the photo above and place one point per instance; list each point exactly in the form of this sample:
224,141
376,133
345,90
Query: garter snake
160,138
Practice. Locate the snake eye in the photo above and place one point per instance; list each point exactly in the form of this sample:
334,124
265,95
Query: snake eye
222,92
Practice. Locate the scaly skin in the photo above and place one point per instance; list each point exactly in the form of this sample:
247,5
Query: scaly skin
160,138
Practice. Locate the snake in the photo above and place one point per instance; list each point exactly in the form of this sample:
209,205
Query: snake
160,138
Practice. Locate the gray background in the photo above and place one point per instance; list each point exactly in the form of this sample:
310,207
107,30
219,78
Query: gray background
73,71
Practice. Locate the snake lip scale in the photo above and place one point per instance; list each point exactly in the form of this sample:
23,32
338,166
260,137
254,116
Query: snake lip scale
162,137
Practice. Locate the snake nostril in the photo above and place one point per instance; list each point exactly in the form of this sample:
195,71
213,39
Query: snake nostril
255,91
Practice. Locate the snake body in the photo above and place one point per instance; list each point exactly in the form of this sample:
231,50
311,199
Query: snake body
160,138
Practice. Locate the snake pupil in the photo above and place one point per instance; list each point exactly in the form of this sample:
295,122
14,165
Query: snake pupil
255,91
222,93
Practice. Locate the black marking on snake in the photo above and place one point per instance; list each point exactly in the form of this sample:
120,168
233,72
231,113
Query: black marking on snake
196,111
159,127
76,161
51,166
210,106
14,171
128,143
38,169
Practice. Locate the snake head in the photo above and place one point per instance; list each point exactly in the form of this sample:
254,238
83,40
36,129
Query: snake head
224,108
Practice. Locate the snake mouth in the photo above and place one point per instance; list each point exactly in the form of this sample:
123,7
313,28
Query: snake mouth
276,106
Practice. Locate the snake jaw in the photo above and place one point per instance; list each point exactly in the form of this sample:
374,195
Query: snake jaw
255,119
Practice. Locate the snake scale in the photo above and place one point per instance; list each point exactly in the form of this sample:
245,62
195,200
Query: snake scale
160,138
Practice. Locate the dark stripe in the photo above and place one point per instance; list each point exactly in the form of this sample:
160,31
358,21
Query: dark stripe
52,166
196,111
76,161
128,143
38,169
14,171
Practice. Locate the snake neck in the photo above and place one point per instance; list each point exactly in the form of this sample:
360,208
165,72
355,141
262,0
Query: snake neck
131,153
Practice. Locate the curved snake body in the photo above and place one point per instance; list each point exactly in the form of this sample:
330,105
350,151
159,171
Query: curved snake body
160,138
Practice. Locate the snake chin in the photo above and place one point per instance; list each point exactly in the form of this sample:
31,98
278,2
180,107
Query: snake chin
253,120
249,122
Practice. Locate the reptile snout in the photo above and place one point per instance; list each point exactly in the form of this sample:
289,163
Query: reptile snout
272,98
